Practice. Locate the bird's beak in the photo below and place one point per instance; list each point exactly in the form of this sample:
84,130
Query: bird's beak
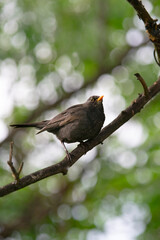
100,98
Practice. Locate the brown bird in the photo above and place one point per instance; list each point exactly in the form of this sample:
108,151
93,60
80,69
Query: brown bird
75,124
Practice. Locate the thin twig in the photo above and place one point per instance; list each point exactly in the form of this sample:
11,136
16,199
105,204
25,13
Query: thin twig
20,168
10,153
144,85
15,173
155,57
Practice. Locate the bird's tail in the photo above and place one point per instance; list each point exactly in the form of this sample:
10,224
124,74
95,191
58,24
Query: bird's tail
38,125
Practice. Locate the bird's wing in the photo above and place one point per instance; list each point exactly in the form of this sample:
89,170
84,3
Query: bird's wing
67,116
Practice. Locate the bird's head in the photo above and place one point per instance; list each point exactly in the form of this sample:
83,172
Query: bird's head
95,100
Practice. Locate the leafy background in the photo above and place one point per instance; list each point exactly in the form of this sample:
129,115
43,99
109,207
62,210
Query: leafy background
57,53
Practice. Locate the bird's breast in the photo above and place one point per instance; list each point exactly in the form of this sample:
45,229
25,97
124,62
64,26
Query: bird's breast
84,127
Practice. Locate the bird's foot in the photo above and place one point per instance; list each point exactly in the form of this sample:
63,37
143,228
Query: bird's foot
69,163
84,146
69,156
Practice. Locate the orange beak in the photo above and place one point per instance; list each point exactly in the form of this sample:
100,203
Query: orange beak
100,98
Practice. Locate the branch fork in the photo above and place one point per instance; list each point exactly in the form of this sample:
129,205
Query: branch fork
15,173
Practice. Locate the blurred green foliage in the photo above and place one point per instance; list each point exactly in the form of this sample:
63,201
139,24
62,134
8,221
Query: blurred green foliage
65,51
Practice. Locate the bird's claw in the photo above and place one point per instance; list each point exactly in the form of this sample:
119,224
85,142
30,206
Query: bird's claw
69,156
84,146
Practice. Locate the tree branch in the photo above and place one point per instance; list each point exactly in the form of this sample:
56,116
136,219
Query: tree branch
153,29
62,166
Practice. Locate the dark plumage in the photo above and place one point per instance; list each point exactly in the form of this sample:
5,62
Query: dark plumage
75,124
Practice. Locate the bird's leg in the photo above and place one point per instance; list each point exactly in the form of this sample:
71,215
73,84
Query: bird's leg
68,154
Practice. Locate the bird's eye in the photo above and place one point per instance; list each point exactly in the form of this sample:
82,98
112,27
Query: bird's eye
92,99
